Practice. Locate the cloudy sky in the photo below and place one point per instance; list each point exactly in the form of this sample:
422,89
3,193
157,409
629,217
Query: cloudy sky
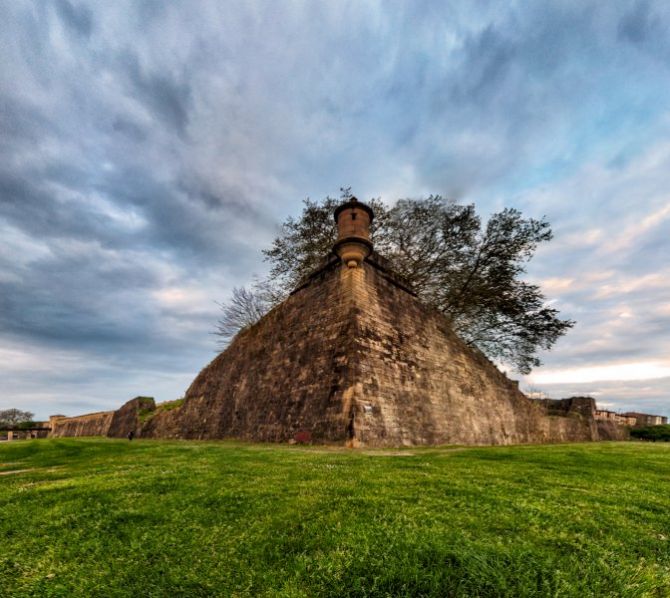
149,151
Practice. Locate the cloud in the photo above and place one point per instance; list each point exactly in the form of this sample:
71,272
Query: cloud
79,382
646,26
636,231
76,18
150,151
647,396
168,99
623,372
618,267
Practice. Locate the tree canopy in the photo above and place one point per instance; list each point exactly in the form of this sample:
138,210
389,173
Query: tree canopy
13,417
469,271
653,433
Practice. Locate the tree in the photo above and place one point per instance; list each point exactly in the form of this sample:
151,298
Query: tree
472,274
469,272
14,417
245,307
653,433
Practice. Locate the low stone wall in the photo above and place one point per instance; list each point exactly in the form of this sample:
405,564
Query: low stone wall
567,428
557,420
114,424
91,424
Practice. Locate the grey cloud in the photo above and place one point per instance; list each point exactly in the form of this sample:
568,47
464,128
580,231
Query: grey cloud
76,300
133,131
638,24
21,124
173,144
28,202
603,334
488,56
177,219
77,18
167,98
646,27
81,382
647,254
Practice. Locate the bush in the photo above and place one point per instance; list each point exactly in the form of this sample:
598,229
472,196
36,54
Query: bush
653,433
28,424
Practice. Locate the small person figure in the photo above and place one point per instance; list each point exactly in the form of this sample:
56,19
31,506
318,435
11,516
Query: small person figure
131,434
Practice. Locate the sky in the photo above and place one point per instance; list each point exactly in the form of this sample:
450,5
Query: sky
149,151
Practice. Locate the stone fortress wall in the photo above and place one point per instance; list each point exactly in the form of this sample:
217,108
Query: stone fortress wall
113,424
353,357
150,421
91,424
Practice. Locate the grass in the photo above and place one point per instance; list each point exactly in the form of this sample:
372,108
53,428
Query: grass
146,414
170,405
97,517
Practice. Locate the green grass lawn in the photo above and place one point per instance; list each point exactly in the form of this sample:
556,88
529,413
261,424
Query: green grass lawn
97,517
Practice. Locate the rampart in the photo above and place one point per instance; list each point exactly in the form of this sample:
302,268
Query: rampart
90,424
353,357
115,424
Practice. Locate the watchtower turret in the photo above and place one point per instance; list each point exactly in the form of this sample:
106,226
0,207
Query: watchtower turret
353,220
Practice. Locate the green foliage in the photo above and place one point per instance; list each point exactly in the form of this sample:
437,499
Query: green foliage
653,433
27,424
470,272
101,517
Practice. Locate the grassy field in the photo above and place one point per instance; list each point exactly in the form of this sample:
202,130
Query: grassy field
101,517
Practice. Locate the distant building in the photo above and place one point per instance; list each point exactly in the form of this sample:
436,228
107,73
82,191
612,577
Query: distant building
645,419
617,418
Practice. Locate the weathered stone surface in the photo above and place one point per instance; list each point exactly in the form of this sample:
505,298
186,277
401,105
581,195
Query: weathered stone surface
91,424
352,356
612,431
418,383
115,424
287,373
585,406
127,419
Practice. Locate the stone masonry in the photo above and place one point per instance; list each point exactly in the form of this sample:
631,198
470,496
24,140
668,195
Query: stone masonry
353,357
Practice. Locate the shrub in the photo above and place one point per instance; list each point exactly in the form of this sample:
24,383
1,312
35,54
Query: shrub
653,433
26,425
